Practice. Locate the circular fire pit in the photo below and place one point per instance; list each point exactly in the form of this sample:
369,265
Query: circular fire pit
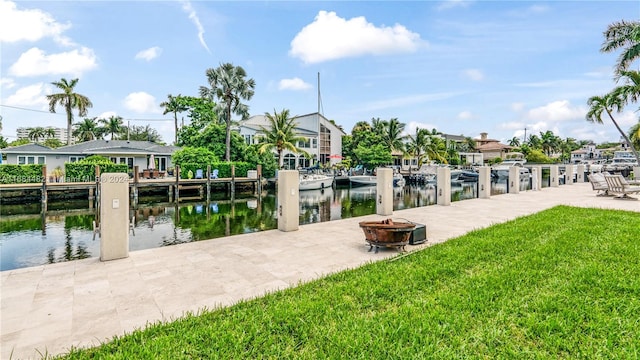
387,233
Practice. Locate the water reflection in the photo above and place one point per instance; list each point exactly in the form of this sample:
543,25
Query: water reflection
30,239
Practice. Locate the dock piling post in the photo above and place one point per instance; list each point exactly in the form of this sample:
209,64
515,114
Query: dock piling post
208,183
44,188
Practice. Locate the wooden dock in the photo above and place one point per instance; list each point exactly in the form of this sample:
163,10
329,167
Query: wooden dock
175,188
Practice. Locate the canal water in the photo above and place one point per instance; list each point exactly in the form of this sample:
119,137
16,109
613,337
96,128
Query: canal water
29,237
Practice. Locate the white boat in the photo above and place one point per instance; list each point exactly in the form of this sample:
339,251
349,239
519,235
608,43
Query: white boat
315,181
368,180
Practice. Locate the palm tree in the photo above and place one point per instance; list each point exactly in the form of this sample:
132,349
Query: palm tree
392,134
87,130
174,105
280,135
36,133
608,103
69,100
112,126
417,143
625,35
228,84
634,135
515,141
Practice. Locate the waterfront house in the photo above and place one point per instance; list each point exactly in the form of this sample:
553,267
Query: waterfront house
132,153
491,148
323,139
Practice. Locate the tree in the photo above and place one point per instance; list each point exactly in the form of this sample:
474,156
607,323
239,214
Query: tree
280,135
189,155
626,36
608,103
515,141
36,133
634,135
70,101
392,134
87,130
417,143
144,133
112,126
228,84
174,105
52,143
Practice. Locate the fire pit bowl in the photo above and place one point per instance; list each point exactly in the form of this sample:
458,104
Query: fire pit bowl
387,233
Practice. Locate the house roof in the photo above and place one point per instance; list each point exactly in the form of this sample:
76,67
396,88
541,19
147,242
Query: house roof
99,147
27,149
492,146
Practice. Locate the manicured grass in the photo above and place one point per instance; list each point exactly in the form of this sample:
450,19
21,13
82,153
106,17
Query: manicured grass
563,283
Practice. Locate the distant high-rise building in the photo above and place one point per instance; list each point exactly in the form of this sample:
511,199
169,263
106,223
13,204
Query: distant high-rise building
59,133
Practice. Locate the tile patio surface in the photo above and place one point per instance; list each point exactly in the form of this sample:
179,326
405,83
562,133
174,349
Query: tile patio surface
47,309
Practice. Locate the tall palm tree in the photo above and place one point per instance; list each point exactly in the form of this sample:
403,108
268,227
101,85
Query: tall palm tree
608,103
175,105
87,130
70,101
280,135
623,35
378,126
112,126
228,84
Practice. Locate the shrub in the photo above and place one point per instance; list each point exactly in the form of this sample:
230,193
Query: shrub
20,174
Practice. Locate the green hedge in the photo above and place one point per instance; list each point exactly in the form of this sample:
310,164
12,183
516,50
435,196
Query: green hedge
224,169
20,174
79,172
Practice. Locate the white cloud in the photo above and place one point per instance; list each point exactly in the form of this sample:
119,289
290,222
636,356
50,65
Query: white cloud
473,74
35,62
32,95
557,111
193,16
149,54
7,83
107,114
293,84
29,25
465,115
331,37
141,102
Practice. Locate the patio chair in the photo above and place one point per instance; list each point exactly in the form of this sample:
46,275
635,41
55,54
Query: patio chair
599,184
199,174
619,186
214,174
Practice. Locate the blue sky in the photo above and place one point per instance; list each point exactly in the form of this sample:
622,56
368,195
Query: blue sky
460,67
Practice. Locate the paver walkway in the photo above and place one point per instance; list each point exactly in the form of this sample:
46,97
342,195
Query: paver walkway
47,309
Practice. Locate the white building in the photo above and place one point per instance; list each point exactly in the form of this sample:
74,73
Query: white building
59,133
323,139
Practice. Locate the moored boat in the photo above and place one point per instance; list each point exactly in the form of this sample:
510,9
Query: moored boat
315,181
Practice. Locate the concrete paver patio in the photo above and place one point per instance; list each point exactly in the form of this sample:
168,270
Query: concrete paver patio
47,309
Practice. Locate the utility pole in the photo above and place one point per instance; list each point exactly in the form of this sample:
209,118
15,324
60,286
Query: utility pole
525,136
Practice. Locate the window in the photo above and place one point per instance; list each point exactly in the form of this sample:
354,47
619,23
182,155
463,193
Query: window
75,158
31,160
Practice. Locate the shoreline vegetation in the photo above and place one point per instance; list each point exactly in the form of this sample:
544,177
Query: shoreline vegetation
562,283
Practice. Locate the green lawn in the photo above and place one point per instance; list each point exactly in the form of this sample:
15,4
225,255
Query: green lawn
563,283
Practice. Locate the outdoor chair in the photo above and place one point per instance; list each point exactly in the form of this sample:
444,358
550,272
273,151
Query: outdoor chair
199,174
599,184
214,174
619,186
